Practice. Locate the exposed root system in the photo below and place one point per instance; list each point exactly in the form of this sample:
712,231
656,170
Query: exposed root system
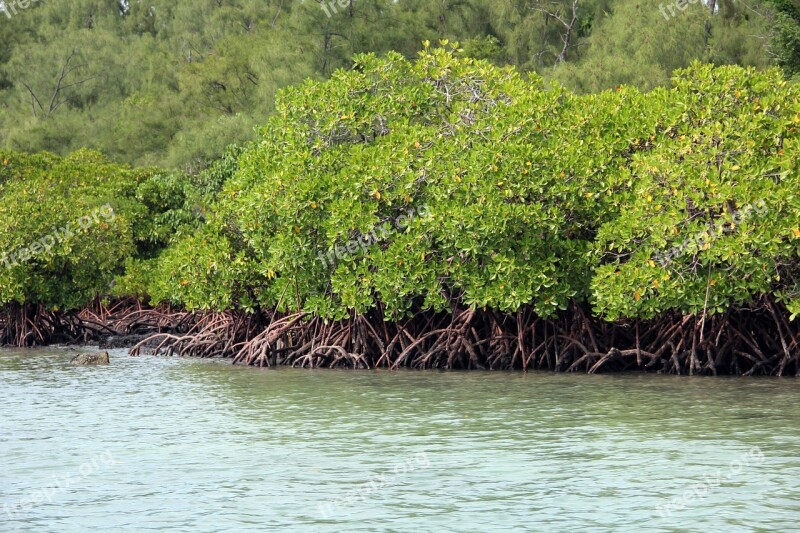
759,340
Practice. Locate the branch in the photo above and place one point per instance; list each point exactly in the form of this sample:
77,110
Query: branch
569,26
563,55
274,20
34,99
64,73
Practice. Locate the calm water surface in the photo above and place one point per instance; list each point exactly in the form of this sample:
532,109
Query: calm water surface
162,444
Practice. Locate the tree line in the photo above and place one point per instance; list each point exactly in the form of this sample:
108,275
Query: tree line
172,85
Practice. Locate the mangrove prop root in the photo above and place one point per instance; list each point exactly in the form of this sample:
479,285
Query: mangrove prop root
757,340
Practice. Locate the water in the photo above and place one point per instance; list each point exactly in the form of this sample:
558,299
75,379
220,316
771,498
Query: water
155,444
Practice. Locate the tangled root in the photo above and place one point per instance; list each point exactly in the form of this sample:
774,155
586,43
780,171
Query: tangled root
758,340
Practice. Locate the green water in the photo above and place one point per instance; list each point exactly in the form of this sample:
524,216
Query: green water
164,444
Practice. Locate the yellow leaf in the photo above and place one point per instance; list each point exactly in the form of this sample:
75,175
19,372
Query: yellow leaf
637,296
735,168
713,282
796,232
651,263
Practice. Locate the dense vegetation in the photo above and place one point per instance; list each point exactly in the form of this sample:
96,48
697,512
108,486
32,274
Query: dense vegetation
71,225
448,212
172,84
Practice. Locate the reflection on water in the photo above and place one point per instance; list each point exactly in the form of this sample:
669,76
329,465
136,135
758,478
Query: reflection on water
201,446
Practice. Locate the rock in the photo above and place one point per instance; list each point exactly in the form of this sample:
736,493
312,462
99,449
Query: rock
91,359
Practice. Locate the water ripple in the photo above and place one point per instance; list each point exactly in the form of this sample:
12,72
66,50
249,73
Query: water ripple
153,444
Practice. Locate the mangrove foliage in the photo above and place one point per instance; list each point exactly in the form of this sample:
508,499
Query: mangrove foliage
445,212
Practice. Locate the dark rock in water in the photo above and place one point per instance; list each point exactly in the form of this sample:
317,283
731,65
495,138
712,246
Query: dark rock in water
121,341
91,359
